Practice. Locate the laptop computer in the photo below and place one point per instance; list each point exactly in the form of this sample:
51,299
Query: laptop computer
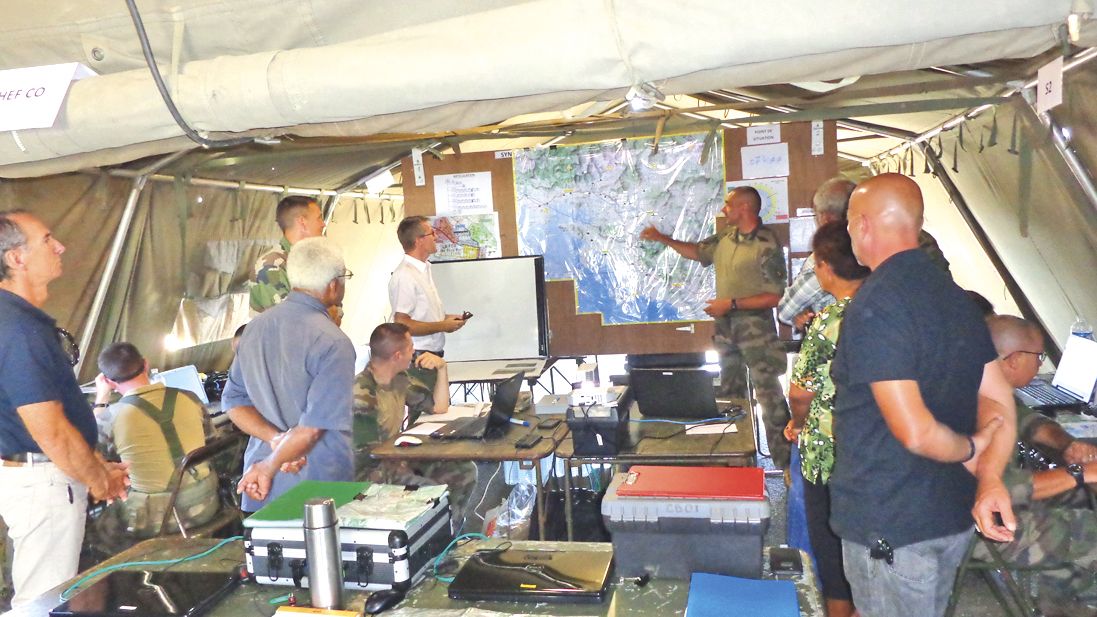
564,575
674,392
127,593
1073,382
183,378
495,422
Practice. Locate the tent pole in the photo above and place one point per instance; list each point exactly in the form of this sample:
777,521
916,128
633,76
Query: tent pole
116,252
940,171
1077,169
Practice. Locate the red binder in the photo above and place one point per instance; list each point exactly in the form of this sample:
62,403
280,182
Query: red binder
747,483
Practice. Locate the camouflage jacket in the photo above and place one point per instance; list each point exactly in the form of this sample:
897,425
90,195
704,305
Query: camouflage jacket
379,410
271,285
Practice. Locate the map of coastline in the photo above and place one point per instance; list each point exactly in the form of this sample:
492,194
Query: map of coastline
583,208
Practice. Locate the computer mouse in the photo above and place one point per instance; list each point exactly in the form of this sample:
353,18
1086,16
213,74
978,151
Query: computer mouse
408,440
382,599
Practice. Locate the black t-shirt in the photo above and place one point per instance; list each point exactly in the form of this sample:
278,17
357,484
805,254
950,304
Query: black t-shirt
34,369
909,321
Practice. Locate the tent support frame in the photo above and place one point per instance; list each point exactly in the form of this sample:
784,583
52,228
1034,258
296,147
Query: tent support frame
940,171
117,244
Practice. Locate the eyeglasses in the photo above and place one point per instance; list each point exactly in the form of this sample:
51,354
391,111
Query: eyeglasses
1040,355
429,233
68,345
347,274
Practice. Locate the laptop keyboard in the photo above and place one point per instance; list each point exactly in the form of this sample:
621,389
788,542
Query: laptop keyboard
1048,395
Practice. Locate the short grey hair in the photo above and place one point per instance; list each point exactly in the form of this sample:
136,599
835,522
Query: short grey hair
313,263
11,237
832,198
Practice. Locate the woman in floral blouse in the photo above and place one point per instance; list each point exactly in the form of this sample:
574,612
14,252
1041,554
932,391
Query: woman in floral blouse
811,398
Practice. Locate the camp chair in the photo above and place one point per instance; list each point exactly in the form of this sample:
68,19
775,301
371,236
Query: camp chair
226,450
1002,577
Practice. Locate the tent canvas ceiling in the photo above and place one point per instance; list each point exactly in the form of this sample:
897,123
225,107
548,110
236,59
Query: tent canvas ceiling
345,68
338,90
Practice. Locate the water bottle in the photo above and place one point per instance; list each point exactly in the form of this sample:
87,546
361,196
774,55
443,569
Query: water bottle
1082,328
323,553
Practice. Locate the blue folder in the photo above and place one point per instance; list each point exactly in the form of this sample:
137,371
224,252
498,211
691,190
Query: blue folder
716,595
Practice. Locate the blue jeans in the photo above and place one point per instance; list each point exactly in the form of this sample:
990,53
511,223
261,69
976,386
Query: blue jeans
917,583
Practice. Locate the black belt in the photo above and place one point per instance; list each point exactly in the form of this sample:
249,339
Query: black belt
419,352
26,457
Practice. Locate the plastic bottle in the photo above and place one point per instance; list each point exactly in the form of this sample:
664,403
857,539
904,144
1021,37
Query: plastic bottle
1081,328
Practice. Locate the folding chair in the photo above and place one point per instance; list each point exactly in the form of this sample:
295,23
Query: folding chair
227,451
1002,578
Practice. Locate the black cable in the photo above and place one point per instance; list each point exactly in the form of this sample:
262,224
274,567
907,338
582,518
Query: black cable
150,60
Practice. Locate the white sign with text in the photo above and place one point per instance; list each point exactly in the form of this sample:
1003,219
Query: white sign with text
31,97
463,194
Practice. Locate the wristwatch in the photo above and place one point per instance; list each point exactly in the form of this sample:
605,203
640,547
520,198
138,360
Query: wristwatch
1078,472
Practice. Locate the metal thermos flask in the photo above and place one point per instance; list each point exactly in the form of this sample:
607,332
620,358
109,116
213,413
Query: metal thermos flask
322,552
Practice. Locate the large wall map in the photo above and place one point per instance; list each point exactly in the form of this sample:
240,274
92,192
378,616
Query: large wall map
583,207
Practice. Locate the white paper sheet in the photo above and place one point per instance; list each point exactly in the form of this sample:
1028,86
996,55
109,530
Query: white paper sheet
464,410
711,429
800,232
765,161
424,428
468,193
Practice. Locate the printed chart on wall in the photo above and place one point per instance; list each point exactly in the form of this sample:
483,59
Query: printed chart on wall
774,194
583,208
466,236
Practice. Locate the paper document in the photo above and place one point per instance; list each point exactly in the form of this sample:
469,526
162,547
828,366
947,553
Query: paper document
390,506
425,428
711,429
464,410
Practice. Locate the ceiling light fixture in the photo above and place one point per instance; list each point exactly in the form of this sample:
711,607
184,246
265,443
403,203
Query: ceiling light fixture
644,96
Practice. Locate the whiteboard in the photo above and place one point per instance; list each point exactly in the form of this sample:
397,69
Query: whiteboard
506,297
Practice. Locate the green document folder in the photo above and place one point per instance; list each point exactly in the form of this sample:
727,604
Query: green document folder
288,510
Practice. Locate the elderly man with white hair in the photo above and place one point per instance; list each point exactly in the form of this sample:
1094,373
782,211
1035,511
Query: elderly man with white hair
291,383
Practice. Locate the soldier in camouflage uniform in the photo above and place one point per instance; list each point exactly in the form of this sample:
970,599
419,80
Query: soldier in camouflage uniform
298,217
387,387
1054,522
750,277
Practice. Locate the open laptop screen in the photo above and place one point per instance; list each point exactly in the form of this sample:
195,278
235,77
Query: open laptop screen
1077,369
674,392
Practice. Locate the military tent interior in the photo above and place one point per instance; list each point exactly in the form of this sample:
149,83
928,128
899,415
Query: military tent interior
164,212
319,98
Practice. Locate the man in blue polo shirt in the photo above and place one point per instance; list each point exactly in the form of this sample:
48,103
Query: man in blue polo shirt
915,376
290,386
47,429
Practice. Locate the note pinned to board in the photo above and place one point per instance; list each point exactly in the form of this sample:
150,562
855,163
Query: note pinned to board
765,161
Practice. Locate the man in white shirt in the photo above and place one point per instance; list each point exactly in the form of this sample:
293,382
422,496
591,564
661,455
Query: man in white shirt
415,302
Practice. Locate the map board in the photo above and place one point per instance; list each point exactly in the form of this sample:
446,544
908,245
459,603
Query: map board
583,208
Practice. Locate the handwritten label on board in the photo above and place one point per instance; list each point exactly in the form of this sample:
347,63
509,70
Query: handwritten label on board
765,134
1049,85
31,97
768,161
817,138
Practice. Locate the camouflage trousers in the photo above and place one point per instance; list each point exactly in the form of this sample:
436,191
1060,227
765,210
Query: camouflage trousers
1056,535
748,339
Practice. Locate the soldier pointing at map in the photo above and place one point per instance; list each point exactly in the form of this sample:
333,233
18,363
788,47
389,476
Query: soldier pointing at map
750,276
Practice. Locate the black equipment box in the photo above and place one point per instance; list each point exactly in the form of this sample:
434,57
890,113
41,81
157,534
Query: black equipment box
599,430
